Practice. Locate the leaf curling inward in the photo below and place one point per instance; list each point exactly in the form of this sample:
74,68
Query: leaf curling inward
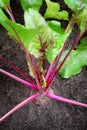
53,11
56,26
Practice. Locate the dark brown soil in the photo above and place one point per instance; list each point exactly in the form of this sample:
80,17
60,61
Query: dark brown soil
53,116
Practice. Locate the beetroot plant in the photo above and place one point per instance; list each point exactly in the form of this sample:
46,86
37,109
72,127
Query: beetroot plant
42,38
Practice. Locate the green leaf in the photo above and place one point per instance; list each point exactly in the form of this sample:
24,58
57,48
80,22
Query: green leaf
35,4
79,8
82,20
83,44
19,32
4,4
41,42
57,46
53,11
74,64
76,5
56,26
76,60
33,19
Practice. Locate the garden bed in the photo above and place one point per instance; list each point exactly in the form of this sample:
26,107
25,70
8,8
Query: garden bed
53,116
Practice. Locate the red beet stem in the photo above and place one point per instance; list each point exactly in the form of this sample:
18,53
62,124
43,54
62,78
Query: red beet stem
19,79
66,100
23,103
51,79
16,69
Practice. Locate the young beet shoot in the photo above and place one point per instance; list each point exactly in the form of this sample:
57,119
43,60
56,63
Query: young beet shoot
43,40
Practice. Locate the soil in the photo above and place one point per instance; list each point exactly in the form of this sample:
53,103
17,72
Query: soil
53,116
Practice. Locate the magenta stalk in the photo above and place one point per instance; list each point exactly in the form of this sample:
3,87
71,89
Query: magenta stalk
65,100
52,68
51,79
72,47
58,59
16,69
38,75
19,79
49,70
10,13
26,101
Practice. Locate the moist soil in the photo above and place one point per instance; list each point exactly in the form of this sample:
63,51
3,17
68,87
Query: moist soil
53,116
